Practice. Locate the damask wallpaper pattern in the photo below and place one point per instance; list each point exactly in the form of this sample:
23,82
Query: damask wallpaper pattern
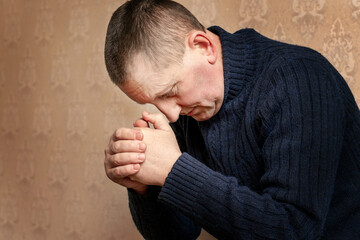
58,107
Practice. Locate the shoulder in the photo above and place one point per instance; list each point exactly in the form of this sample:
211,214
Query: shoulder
278,51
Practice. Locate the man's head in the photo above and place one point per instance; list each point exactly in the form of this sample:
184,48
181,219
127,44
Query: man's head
153,28
158,53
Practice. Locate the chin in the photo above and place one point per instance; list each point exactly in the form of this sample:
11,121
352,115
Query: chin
202,116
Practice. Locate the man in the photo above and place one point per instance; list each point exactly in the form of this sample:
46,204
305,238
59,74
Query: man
267,139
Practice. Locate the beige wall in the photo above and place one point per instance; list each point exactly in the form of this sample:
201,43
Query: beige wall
58,107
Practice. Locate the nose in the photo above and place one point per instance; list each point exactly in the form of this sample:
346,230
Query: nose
170,109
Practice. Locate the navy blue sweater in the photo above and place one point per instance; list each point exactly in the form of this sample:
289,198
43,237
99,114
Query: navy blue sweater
281,159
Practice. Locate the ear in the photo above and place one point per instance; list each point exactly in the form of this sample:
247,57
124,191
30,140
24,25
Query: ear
198,40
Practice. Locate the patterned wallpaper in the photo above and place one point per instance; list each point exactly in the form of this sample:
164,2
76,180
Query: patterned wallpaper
58,107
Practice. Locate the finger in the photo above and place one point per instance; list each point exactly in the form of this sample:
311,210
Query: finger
158,120
127,182
122,171
122,146
107,150
141,123
127,134
122,159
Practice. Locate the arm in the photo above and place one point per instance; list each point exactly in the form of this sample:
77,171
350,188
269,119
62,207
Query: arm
154,219
302,121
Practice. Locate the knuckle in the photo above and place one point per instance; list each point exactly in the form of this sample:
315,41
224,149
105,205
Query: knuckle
129,169
115,147
119,132
115,161
118,173
109,174
123,171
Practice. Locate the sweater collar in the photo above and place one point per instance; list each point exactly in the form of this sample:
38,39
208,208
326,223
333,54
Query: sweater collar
239,59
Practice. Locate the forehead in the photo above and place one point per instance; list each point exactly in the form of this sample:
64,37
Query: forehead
135,91
144,83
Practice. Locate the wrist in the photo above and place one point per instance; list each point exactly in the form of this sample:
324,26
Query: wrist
169,168
141,190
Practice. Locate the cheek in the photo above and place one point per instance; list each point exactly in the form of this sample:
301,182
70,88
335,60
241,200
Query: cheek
191,96
195,87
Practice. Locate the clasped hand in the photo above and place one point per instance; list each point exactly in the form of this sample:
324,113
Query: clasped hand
141,156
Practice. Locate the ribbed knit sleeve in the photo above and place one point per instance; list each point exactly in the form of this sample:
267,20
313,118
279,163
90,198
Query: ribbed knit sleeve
295,121
157,221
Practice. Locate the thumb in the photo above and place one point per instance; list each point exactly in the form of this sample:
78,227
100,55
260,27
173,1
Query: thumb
157,120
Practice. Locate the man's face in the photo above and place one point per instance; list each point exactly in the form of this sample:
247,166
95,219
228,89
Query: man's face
192,89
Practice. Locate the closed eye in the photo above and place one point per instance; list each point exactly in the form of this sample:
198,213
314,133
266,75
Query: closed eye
173,92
